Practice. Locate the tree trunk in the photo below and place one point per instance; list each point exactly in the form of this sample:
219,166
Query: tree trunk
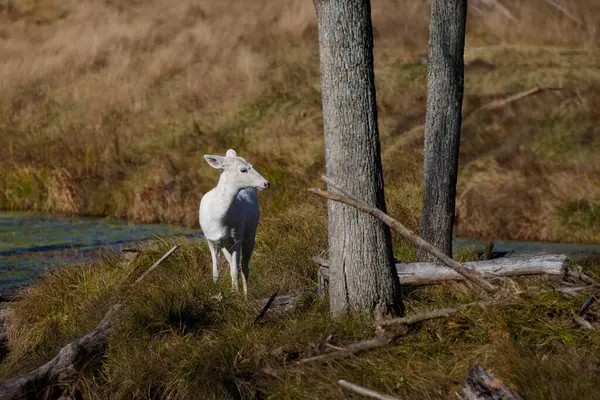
445,81
362,267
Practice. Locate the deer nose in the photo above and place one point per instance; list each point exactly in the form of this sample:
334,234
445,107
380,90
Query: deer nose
266,185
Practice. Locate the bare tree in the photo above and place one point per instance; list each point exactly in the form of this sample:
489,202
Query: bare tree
360,252
445,82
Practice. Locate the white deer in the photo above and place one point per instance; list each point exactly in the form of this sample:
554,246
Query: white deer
229,214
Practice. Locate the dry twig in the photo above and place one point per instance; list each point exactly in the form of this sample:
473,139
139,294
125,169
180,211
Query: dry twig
583,322
364,391
562,9
266,307
588,303
416,132
356,347
424,316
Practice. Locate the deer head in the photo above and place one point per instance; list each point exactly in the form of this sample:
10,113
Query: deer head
236,172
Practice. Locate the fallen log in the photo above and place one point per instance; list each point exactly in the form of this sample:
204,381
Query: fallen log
427,273
72,358
482,385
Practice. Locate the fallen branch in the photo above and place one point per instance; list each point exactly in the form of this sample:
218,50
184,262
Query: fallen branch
416,132
588,303
446,312
266,307
583,322
291,301
352,349
482,385
426,273
580,316
399,323
497,6
573,291
501,103
406,233
364,391
72,358
424,316
562,9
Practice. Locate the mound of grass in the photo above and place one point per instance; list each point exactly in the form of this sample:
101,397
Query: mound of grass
181,336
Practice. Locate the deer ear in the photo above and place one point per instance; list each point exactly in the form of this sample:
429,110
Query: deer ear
231,153
214,161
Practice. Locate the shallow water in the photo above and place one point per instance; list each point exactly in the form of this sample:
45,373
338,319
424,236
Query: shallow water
31,244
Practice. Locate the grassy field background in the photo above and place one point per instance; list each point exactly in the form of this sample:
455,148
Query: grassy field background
108,106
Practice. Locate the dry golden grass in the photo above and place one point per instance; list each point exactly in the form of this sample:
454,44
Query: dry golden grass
108,106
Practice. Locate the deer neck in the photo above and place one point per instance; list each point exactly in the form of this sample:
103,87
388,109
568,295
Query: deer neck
225,195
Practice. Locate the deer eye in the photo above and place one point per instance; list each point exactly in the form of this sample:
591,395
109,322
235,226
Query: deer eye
244,170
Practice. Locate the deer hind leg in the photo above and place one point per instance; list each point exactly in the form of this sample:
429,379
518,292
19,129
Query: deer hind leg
214,253
247,249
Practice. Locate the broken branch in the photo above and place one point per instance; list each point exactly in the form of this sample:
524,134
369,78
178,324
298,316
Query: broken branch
446,312
424,316
266,306
416,132
399,323
356,347
483,385
562,9
583,322
588,303
406,233
364,391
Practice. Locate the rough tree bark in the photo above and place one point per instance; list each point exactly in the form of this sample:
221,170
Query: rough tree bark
445,81
362,266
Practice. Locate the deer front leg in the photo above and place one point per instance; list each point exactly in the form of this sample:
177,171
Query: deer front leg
235,265
214,253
